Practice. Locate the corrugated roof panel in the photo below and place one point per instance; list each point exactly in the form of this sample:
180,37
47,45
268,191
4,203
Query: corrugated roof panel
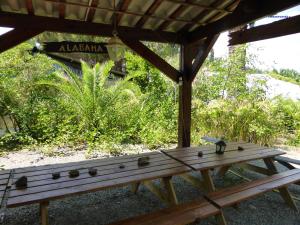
42,8
164,10
137,6
76,12
104,15
13,6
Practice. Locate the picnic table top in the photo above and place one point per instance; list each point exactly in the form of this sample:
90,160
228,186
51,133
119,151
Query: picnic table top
41,186
231,156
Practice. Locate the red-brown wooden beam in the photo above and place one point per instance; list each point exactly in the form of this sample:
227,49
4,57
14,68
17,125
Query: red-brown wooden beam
62,9
15,37
180,9
80,27
200,15
123,6
202,54
152,58
90,12
150,11
185,98
272,30
29,7
247,11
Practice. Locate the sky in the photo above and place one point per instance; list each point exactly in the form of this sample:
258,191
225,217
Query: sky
282,52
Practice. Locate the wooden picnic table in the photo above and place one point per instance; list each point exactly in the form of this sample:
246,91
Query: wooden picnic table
121,171
233,156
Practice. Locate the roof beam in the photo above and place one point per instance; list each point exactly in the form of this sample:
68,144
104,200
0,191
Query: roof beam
29,7
25,22
15,37
271,30
247,11
152,58
90,12
150,12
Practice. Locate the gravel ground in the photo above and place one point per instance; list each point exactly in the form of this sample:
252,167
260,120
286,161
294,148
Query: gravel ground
111,205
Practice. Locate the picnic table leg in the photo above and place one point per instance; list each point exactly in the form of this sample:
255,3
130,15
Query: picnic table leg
209,184
223,170
170,190
284,192
44,213
135,187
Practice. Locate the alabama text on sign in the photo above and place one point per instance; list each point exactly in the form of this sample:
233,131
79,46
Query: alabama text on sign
68,47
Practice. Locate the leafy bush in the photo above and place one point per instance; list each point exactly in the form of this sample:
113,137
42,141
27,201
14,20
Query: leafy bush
56,106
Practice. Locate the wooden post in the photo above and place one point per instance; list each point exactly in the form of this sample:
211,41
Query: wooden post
44,213
185,99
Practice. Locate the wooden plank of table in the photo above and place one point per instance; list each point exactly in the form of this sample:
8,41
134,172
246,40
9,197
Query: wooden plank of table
241,192
192,159
178,215
56,191
233,160
97,164
251,184
102,170
184,156
45,185
1,197
211,148
5,172
211,151
108,160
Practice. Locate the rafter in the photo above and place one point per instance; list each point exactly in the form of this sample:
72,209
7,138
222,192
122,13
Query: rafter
201,15
149,12
123,6
29,7
90,12
180,9
152,58
272,30
62,9
22,21
247,11
15,37
117,12
200,6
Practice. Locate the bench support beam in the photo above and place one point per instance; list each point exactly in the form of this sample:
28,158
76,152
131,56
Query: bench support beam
44,213
170,190
209,184
135,187
284,192
254,168
223,170
193,180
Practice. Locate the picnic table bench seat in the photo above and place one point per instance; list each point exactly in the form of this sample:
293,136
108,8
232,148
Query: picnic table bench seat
197,210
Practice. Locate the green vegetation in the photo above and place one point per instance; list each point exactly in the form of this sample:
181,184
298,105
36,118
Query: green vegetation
288,75
50,105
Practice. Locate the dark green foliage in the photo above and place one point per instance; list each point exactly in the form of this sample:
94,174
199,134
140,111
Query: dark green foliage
56,106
